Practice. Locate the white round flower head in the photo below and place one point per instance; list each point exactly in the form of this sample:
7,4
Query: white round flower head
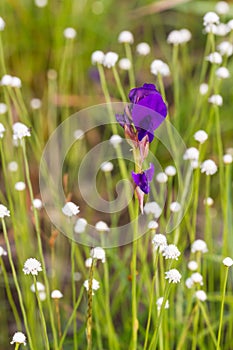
152,208
192,265
227,159
159,303
186,35
12,166
2,251
222,7
19,338
222,73
3,108
209,201
209,167
101,226
230,24
20,131
16,82
35,103
110,59
201,295
88,262
214,57
40,287
80,225
159,242
2,24
171,252
222,29
69,33
70,209
173,276
20,186
32,266
216,100
161,178
2,130
197,278
210,28
97,57
153,225
4,211
95,285
210,18
115,140
42,296
191,153
143,49
56,294
159,67
41,3
228,262
98,253
199,246
194,164
106,167
126,37
78,134
170,170
203,89
37,203
189,283
6,80
175,207
174,37
200,136
225,48
124,64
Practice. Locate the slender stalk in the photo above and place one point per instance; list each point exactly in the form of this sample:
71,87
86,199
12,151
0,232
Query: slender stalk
22,308
207,320
73,292
57,308
154,341
9,295
151,301
195,330
222,308
70,319
89,309
119,85
37,227
128,54
43,322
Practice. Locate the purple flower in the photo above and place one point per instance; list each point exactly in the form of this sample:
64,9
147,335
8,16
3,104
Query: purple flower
149,110
142,179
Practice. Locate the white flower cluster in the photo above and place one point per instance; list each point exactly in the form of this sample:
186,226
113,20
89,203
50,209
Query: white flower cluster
8,80
178,37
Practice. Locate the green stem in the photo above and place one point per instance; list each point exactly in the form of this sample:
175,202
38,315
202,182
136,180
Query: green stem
70,319
208,323
37,227
222,307
9,295
17,285
89,309
73,292
119,85
128,54
195,329
41,315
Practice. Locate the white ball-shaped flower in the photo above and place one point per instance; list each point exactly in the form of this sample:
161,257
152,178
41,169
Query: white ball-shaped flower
4,211
170,170
126,37
159,303
208,201
214,57
69,33
222,73
3,108
216,100
110,59
56,294
95,285
201,295
2,130
37,203
209,167
20,186
225,48
80,225
98,253
197,278
227,159
20,131
78,134
153,225
175,207
106,167
210,18
199,246
32,266
2,24
228,262
159,67
35,103
200,136
2,251
192,265
70,209
173,276
16,82
222,7
97,57
143,49
124,64
161,177
101,226
12,166
159,241
115,140
41,3
39,286
153,208
191,153
203,89
171,252
19,338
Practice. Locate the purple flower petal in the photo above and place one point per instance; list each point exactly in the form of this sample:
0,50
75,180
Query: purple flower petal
142,179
